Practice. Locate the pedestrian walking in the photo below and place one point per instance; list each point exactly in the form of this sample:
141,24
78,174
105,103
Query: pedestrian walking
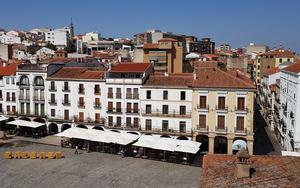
76,150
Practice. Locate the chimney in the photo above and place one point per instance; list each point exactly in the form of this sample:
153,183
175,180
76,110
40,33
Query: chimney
109,66
243,164
195,75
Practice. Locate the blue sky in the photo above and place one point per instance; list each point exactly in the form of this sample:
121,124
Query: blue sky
238,22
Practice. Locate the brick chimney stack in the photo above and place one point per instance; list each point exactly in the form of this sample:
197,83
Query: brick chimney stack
243,164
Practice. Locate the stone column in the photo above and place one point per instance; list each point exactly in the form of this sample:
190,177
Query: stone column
250,147
211,144
229,146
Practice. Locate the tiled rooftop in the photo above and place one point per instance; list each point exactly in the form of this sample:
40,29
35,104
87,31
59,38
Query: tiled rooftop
271,71
208,77
267,171
216,78
131,67
150,46
167,40
295,68
279,52
8,70
78,73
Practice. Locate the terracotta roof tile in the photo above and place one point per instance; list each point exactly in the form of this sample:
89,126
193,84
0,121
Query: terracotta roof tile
173,80
206,78
216,78
8,70
167,40
269,171
271,71
78,73
150,46
279,52
295,68
131,67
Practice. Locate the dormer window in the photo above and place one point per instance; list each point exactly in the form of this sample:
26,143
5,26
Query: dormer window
24,81
39,81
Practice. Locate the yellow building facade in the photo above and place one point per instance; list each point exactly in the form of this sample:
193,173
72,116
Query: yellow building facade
220,139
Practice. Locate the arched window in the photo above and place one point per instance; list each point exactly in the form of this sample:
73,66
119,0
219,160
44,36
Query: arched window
24,80
39,81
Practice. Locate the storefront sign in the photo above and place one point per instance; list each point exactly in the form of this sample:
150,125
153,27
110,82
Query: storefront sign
33,155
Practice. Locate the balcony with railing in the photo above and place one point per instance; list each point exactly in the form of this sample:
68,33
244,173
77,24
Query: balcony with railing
118,95
204,108
222,130
170,113
184,132
132,111
110,95
38,86
52,102
22,97
221,109
203,129
97,105
81,104
114,110
66,103
52,88
133,126
37,98
66,89
240,131
132,96
241,109
81,91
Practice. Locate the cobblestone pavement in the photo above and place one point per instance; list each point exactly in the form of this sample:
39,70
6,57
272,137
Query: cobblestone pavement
90,170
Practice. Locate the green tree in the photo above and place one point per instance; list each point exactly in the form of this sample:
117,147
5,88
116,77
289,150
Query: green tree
33,48
51,46
70,48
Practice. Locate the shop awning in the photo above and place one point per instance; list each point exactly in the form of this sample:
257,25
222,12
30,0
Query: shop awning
168,144
290,153
2,118
24,123
106,136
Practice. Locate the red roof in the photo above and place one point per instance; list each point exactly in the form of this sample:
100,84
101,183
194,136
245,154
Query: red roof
295,68
210,56
267,171
173,80
150,46
8,70
131,67
216,78
280,52
207,77
271,71
167,40
78,73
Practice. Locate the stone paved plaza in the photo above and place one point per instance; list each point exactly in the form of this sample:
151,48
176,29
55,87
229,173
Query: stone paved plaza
91,170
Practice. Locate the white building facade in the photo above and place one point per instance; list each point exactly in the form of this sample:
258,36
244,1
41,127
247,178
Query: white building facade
75,96
58,38
290,100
